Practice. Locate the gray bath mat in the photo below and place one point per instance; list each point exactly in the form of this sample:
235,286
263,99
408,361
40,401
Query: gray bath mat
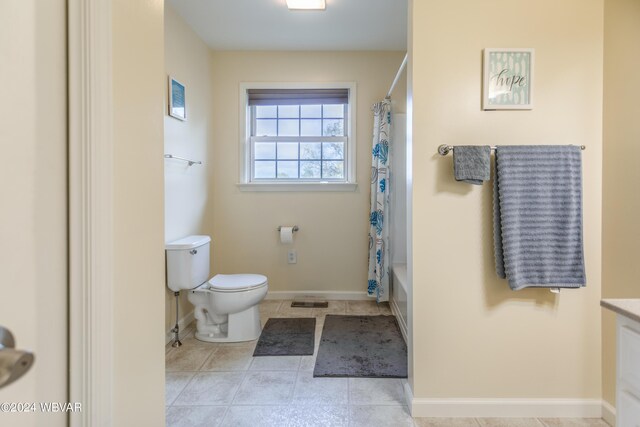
361,346
287,337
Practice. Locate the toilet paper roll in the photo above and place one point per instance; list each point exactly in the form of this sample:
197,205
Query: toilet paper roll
286,234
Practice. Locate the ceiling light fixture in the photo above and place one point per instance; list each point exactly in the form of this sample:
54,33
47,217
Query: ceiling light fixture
306,4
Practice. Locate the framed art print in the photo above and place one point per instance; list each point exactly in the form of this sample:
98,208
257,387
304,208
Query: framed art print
177,100
508,79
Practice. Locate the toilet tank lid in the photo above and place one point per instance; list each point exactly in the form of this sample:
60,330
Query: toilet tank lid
188,242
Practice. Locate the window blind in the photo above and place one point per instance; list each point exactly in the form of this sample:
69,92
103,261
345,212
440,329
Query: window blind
297,96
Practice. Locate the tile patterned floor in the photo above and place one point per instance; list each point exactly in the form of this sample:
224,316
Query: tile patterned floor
211,385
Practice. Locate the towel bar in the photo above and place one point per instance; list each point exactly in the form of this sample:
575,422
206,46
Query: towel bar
191,162
445,149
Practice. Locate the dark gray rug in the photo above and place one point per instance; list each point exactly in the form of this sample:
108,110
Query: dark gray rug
361,346
287,337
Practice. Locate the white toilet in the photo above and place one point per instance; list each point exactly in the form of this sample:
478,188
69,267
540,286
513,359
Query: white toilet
226,306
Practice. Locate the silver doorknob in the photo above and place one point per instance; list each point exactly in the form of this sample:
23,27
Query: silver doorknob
13,363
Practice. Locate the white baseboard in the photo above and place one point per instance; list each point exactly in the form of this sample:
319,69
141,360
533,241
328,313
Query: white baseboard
325,295
182,323
503,408
396,312
608,413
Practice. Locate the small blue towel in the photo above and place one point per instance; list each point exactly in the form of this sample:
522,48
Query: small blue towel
537,202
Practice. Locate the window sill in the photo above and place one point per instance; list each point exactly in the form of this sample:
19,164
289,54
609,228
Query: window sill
298,186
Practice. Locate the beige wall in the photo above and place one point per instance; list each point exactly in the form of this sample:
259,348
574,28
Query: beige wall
33,185
187,189
138,90
621,175
332,242
472,336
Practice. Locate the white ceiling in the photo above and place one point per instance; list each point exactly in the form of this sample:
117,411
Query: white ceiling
269,25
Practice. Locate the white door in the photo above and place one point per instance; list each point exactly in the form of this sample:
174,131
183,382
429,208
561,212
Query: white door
33,203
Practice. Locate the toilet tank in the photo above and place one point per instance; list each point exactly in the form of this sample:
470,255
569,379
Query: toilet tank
187,262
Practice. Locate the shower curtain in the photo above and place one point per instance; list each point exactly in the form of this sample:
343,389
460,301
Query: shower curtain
378,285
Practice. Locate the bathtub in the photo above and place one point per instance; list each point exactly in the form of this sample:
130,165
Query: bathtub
399,295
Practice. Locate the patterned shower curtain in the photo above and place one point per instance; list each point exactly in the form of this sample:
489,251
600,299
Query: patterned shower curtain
379,229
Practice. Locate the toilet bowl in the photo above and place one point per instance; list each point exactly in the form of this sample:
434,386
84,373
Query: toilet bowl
226,306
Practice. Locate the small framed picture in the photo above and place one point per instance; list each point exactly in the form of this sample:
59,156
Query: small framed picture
177,100
508,79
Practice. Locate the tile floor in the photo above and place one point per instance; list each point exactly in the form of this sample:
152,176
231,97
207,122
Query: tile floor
221,384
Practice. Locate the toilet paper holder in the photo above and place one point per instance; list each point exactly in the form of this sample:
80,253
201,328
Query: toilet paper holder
295,228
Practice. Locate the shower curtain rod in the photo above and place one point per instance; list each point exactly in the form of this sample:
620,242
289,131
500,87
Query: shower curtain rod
395,81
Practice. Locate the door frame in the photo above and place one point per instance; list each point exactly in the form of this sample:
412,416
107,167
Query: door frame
91,260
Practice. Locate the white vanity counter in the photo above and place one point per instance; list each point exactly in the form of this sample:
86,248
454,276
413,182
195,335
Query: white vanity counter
628,357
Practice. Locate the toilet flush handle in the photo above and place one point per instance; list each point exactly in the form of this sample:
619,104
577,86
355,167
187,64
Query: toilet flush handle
193,251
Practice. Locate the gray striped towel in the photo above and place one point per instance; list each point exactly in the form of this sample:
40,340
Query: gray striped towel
537,216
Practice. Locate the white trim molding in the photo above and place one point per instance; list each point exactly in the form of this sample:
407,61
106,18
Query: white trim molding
503,408
298,186
325,295
90,212
608,413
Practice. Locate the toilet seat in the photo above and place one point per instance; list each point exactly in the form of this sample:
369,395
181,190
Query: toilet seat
236,282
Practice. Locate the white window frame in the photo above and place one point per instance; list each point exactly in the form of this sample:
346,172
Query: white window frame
246,153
